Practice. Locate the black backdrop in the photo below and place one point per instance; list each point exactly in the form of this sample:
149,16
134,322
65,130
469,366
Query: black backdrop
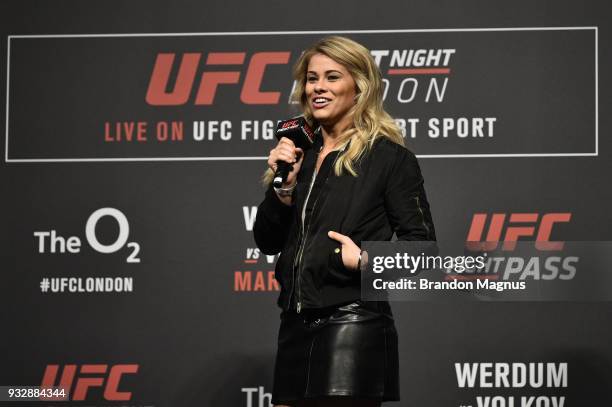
197,331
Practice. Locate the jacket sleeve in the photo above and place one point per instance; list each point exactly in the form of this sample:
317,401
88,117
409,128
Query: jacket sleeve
272,223
405,200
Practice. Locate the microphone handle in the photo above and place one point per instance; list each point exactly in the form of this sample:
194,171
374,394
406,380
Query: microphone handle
283,169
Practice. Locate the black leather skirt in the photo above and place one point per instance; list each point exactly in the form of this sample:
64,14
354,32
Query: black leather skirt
347,350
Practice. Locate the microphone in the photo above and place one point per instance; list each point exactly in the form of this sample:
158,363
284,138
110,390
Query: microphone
298,131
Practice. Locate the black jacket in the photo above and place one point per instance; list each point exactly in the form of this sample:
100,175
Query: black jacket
386,197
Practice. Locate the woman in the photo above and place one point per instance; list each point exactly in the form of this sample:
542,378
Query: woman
358,183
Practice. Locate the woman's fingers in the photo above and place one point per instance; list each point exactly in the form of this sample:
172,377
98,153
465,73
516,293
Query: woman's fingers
339,237
288,156
286,151
299,153
286,141
350,251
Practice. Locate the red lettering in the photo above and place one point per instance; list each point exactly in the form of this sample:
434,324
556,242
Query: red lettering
156,93
477,228
255,281
543,239
172,132
225,58
291,123
242,281
84,383
112,386
251,91
211,80
513,233
259,283
66,380
128,131
272,283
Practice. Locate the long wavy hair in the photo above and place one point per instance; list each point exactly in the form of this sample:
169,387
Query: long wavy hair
370,120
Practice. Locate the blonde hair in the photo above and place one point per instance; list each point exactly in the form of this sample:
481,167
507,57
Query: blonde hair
370,120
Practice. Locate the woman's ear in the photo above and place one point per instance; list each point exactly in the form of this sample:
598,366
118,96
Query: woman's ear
357,92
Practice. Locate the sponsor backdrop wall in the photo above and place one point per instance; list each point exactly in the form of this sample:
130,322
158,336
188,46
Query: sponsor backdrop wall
135,137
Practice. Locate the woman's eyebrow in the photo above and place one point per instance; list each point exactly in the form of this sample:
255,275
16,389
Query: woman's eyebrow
328,71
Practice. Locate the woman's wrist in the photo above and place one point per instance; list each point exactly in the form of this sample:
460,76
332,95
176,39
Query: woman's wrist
285,191
285,195
362,263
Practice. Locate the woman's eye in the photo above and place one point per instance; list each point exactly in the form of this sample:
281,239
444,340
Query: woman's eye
312,78
333,77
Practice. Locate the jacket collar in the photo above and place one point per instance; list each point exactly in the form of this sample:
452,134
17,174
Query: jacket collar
318,142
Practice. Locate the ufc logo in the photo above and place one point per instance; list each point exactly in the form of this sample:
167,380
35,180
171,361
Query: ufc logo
517,225
292,123
250,94
95,376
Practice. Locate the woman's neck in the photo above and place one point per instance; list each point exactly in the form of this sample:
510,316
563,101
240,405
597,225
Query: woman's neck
329,141
332,133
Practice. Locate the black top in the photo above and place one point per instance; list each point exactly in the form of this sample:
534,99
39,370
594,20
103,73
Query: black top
386,197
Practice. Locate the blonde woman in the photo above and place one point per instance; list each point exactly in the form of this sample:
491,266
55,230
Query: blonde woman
358,183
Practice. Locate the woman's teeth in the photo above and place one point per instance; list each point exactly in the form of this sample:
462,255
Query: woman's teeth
320,102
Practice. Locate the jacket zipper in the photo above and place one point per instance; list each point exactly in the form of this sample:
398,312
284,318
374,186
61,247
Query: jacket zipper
305,233
295,256
416,198
298,258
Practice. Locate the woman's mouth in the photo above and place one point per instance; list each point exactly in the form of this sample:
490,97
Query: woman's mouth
320,102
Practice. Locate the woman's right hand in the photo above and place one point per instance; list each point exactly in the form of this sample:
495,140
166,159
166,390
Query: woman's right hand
286,151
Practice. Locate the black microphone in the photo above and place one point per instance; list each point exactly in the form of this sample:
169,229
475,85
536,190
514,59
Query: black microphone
298,131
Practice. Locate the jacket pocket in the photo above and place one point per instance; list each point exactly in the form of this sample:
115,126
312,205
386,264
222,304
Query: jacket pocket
283,272
337,272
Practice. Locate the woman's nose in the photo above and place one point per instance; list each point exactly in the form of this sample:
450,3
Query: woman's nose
319,86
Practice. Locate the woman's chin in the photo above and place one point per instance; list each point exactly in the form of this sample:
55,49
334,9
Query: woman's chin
322,117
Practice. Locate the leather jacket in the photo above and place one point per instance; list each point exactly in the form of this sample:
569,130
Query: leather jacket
386,198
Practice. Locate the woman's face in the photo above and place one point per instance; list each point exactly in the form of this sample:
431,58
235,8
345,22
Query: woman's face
330,90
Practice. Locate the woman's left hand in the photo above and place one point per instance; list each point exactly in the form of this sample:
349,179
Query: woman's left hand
350,251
